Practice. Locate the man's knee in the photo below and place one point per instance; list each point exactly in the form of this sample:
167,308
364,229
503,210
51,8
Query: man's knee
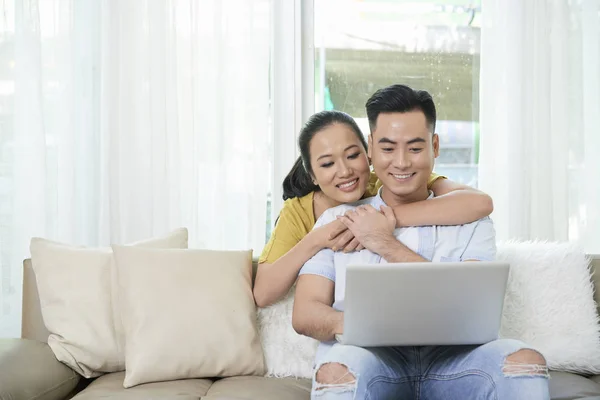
525,362
334,374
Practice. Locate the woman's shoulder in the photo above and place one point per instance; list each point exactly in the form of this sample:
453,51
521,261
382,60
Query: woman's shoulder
301,207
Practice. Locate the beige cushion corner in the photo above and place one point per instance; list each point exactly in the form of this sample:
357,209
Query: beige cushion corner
187,314
78,304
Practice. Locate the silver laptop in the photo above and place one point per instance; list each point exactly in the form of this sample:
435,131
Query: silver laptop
413,304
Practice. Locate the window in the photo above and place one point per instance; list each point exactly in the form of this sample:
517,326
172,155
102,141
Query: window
363,45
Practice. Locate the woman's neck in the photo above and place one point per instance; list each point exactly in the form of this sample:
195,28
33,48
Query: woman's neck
321,203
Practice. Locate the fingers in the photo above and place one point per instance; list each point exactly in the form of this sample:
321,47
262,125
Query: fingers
389,213
368,208
338,228
343,241
360,247
365,209
350,215
352,246
345,220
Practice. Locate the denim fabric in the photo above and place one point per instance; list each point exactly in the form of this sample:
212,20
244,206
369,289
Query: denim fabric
432,372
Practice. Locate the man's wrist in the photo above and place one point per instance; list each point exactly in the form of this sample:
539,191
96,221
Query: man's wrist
385,245
396,251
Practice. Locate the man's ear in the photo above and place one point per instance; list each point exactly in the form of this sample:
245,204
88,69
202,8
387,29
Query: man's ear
370,146
435,140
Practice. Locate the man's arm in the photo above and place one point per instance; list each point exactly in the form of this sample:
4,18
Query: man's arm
313,315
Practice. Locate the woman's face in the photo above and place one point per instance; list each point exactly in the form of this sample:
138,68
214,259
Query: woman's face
339,163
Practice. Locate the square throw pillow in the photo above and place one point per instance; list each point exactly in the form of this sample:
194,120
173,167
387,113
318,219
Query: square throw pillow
187,314
550,305
287,354
79,306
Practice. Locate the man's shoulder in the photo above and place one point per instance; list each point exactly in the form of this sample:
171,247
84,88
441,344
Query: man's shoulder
468,233
465,233
472,241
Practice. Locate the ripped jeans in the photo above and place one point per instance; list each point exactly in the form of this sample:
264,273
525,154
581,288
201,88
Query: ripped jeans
431,372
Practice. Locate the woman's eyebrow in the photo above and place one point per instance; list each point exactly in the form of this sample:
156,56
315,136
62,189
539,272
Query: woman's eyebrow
329,155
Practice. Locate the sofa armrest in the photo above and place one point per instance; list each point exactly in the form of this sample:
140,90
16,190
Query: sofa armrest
29,370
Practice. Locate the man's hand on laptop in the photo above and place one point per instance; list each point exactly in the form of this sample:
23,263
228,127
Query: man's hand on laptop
372,228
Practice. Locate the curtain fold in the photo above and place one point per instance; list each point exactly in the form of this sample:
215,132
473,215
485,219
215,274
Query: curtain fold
129,118
540,118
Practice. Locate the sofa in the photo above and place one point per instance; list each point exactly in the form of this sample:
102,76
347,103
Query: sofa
29,370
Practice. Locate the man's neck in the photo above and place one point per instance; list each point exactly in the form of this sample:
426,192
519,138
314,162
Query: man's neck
392,200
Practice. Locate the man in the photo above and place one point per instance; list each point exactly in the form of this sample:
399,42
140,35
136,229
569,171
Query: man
402,148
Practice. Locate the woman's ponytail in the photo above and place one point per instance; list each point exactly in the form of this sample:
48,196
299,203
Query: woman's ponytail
298,182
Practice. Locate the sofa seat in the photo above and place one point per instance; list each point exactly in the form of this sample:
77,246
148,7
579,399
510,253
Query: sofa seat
110,386
240,388
259,388
567,386
563,386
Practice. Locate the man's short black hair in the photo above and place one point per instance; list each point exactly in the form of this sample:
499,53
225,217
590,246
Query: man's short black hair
400,98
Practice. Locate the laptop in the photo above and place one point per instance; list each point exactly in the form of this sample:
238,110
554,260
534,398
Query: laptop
429,303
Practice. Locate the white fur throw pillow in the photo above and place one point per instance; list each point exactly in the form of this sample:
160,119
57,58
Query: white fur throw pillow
549,303
287,354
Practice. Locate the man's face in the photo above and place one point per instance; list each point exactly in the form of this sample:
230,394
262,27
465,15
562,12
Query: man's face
403,152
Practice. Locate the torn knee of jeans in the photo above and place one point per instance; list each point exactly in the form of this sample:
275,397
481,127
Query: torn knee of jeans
524,363
334,376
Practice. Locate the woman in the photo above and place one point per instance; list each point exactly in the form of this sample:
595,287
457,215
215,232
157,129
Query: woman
334,169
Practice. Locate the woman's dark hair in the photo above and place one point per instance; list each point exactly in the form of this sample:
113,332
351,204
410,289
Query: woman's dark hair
299,181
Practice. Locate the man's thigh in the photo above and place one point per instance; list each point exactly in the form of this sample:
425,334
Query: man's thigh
479,372
350,372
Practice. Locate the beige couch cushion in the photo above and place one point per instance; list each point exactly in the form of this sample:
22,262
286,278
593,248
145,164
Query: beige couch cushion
29,370
187,314
111,387
568,386
259,388
78,304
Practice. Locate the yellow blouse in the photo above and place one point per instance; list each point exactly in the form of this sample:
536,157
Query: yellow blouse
297,218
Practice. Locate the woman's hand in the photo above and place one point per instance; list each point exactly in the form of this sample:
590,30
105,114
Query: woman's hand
337,237
370,226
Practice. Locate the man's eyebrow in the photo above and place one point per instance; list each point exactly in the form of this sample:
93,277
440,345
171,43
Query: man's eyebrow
386,140
416,140
345,150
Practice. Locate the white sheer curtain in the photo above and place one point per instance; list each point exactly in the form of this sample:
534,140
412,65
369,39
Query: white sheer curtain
540,118
123,119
